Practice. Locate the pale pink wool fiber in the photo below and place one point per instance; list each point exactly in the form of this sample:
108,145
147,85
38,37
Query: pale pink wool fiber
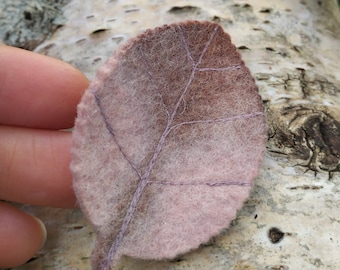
167,142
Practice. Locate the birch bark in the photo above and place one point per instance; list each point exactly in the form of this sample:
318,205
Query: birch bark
291,219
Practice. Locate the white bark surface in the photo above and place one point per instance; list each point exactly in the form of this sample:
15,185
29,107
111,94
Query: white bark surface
293,50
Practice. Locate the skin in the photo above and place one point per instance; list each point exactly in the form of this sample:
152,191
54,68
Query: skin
38,97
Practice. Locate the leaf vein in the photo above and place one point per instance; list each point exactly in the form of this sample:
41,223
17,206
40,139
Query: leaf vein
110,130
211,184
151,78
186,46
219,69
220,120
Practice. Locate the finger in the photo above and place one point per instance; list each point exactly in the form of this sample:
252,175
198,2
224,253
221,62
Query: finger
34,167
38,91
21,236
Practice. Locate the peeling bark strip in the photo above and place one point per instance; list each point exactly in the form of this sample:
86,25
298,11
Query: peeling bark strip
168,139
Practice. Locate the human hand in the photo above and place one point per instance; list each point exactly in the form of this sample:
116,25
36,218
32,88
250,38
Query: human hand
38,97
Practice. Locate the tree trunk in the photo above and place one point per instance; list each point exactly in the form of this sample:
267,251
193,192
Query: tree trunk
291,220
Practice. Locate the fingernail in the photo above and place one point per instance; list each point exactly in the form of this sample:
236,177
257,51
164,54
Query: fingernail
44,231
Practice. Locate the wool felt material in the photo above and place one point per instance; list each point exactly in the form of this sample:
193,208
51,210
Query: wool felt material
167,141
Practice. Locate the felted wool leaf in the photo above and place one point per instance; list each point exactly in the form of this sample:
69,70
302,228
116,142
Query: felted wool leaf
167,141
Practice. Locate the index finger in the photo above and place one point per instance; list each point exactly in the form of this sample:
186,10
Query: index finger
38,91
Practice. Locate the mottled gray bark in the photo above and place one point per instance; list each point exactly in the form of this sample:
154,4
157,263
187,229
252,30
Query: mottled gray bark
26,24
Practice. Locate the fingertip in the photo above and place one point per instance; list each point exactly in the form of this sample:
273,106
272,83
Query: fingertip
38,91
21,234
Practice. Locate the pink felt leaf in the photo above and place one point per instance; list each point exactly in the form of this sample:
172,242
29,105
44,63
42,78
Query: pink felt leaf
167,142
